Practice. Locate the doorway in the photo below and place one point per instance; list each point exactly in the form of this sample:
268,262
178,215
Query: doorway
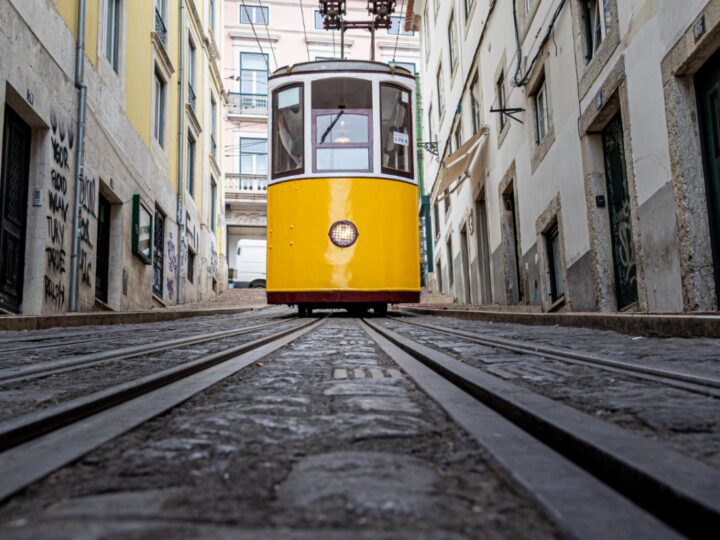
13,209
510,241
102,261
621,232
707,83
465,264
483,251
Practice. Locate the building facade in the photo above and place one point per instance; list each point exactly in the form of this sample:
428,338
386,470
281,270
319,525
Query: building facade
259,38
120,155
577,144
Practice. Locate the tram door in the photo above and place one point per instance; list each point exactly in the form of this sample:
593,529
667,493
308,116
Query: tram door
707,83
623,248
13,208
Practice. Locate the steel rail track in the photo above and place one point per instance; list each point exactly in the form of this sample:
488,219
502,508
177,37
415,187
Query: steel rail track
679,490
36,444
54,367
693,382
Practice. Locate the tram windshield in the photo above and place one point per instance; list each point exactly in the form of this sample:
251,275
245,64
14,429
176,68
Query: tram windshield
342,124
395,127
288,146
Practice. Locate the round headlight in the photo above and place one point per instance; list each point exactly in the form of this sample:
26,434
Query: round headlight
343,233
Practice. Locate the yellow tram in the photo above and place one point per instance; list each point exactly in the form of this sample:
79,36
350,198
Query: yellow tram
343,194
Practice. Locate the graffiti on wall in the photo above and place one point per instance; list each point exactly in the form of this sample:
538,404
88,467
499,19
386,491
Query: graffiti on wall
87,212
172,265
62,140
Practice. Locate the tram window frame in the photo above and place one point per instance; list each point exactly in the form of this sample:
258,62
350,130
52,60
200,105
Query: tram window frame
411,141
274,173
318,99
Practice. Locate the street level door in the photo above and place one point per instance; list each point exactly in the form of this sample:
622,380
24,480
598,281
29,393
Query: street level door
510,240
13,209
465,262
102,262
623,248
481,226
707,83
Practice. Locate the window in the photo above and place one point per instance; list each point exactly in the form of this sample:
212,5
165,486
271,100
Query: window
192,100
342,124
468,5
211,15
190,266
287,131
160,20
596,22
452,42
253,156
451,277
319,21
397,27
436,6
407,65
253,74
552,240
501,104
446,198
396,130
159,116
430,123
158,252
441,95
111,32
191,166
213,125
426,30
475,103
439,275
436,218
541,112
254,15
528,6
457,136
213,203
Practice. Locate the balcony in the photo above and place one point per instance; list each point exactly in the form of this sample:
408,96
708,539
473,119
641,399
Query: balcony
213,147
248,104
192,99
242,185
160,28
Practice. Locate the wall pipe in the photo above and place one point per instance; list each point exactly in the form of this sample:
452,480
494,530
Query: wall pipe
181,142
79,153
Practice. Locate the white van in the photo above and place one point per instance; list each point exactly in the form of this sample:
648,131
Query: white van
250,258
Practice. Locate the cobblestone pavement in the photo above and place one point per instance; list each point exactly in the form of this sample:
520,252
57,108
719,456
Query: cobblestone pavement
689,422
324,439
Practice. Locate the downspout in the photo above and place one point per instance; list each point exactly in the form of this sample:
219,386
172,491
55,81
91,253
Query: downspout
79,153
181,142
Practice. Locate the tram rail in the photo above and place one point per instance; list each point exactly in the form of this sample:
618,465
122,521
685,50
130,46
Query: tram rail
693,382
679,490
38,443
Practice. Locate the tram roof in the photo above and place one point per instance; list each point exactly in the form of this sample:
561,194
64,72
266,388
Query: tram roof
335,66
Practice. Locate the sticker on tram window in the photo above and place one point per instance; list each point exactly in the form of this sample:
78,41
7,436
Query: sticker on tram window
401,138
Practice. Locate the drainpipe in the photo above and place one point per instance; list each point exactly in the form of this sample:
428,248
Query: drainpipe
424,199
79,153
181,141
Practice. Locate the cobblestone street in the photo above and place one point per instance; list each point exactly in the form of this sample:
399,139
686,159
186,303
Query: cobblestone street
327,436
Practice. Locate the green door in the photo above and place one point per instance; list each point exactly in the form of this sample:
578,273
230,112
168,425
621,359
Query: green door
707,83
623,248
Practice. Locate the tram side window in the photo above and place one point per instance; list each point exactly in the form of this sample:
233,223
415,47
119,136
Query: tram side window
396,132
288,144
342,125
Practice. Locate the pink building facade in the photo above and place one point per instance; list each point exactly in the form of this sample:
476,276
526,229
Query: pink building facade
259,37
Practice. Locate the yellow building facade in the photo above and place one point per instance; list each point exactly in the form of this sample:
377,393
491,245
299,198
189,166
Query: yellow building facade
112,176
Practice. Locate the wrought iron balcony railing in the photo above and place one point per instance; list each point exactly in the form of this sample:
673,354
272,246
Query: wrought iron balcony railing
213,146
160,28
246,183
250,104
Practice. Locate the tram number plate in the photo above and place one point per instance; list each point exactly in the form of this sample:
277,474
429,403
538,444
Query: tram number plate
400,138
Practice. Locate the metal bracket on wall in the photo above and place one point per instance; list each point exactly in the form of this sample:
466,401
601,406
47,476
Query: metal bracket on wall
510,113
431,147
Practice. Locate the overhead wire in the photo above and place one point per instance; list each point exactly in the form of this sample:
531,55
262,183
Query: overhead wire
307,47
267,31
397,38
252,25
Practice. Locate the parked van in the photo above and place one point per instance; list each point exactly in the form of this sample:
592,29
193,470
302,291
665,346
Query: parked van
250,264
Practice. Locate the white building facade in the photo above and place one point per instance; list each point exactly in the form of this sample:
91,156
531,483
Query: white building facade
579,140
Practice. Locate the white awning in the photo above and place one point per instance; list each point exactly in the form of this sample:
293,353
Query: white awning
460,164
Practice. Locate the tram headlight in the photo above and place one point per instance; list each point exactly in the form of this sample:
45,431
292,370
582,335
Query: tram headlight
343,233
